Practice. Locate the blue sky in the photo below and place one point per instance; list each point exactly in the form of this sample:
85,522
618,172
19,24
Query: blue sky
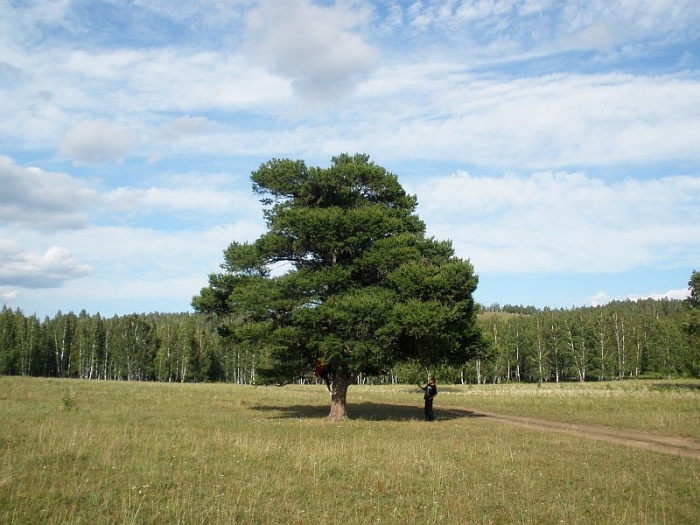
557,144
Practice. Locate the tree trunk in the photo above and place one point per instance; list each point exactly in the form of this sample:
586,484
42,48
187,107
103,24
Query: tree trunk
339,390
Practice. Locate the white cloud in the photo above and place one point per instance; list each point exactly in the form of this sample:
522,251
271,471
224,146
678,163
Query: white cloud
440,112
10,74
202,12
635,20
42,200
35,200
599,299
144,268
108,267
671,294
111,297
184,135
598,35
171,79
8,296
98,142
603,298
512,27
407,109
127,253
565,222
554,120
205,199
187,125
55,91
27,270
317,47
27,21
458,82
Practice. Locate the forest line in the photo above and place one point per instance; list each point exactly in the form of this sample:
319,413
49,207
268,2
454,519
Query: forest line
623,339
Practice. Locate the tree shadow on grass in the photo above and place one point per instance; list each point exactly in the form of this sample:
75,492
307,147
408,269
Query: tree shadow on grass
366,412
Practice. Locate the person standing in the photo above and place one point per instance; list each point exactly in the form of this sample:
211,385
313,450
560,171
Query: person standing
429,392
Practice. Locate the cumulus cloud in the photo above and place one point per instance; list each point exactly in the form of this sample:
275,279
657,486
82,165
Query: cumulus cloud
49,270
603,298
319,48
122,255
98,142
565,222
677,295
31,197
599,299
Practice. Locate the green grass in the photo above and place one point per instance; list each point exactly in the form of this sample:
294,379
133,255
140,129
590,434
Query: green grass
106,452
659,406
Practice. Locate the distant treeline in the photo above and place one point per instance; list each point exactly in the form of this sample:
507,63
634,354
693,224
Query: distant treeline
650,338
620,340
136,347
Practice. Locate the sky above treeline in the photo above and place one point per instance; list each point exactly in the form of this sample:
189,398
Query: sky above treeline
557,144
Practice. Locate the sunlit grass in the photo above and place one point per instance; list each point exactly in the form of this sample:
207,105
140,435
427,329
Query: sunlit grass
666,407
164,453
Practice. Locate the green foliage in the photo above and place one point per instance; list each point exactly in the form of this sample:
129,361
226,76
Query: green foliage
162,347
68,402
692,327
366,289
623,339
628,339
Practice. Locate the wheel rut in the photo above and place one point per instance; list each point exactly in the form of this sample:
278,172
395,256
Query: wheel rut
675,445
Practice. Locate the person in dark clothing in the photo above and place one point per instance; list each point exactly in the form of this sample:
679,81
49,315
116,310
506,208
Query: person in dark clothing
429,392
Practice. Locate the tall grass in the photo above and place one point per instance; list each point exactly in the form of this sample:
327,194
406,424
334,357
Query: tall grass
106,452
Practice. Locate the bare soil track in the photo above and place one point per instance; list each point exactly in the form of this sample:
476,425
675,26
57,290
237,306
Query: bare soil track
654,442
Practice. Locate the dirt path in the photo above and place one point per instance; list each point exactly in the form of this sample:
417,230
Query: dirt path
657,443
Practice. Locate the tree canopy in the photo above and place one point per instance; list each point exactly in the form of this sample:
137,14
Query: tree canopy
364,288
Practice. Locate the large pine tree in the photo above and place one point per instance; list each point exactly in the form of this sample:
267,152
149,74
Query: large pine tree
365,288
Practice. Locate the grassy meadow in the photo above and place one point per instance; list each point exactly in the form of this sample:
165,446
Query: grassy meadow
113,452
